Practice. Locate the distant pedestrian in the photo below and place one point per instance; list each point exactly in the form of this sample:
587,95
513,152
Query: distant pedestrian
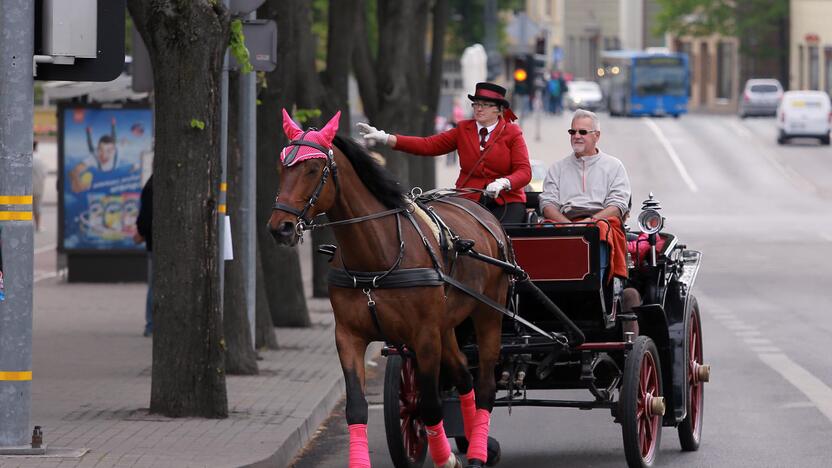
38,183
144,233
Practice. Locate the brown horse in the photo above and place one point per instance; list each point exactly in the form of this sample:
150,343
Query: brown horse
376,232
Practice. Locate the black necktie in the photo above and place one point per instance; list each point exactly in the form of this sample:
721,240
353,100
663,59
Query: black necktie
483,134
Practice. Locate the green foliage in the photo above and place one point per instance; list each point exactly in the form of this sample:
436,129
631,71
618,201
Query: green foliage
304,115
320,27
238,47
752,21
467,26
197,124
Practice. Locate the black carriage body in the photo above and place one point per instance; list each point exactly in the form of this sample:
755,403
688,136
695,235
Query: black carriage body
564,263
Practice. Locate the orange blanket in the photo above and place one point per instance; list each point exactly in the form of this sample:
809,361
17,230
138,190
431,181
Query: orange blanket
613,234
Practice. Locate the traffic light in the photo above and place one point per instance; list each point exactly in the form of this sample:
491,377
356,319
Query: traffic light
521,76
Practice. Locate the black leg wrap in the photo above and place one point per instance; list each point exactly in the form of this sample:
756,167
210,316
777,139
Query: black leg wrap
475,463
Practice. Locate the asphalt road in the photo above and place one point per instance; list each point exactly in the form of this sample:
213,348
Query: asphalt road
760,214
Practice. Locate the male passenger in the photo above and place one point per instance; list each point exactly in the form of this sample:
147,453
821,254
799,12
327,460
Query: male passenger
590,186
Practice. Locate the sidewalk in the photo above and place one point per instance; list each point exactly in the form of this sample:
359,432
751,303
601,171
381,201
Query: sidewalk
91,387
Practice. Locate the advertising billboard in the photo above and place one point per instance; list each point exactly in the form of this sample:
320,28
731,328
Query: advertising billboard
105,156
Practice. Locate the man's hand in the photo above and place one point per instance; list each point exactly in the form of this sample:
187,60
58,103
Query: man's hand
371,134
494,188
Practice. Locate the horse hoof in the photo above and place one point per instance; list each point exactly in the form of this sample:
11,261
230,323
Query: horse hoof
475,463
453,462
494,452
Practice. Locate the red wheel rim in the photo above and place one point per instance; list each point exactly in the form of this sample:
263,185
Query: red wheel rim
411,425
695,386
648,424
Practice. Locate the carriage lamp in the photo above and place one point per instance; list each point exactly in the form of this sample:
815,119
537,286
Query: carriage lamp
650,221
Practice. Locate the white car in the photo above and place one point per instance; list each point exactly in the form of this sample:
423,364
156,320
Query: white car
804,114
583,95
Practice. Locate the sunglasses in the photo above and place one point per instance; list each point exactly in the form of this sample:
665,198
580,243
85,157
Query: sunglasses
572,131
484,105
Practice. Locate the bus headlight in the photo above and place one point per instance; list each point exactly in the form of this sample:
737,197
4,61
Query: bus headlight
650,221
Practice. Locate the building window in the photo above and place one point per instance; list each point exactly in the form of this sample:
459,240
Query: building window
828,61
814,68
725,70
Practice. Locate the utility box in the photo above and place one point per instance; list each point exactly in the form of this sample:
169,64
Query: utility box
70,28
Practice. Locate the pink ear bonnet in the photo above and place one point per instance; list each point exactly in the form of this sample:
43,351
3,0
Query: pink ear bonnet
318,143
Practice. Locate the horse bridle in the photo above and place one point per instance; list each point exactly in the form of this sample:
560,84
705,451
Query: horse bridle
330,167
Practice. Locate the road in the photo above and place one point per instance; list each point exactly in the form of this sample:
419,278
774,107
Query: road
760,214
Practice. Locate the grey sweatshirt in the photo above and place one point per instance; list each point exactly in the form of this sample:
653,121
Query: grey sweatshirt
586,185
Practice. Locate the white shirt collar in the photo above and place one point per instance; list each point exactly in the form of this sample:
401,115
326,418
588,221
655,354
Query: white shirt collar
489,128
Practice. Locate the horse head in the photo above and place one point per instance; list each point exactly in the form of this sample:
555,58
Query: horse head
307,166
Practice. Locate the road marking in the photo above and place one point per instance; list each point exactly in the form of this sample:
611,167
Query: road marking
766,349
747,333
741,129
375,406
672,153
757,341
45,248
817,392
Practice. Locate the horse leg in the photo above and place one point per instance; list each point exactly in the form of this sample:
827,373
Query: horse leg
428,359
454,363
487,325
351,349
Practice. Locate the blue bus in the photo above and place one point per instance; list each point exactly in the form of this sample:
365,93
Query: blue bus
645,83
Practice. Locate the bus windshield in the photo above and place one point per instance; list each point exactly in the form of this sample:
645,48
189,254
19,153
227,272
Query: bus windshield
651,77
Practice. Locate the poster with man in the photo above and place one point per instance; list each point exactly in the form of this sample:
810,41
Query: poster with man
104,151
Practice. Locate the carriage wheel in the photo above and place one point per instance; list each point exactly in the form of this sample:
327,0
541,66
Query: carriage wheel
690,429
406,437
641,405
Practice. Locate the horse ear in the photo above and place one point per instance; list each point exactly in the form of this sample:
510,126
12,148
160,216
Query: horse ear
331,127
289,126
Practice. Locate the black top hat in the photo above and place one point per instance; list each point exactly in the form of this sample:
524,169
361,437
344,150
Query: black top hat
490,92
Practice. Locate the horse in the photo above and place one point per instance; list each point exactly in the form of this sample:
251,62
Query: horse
380,242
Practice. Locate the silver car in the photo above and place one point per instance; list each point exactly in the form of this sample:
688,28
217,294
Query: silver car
760,97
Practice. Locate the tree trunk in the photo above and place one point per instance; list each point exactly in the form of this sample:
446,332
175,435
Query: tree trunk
264,335
240,358
188,377
281,265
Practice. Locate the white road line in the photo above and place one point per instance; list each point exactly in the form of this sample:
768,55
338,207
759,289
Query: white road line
741,129
747,333
757,341
45,248
672,153
817,391
766,349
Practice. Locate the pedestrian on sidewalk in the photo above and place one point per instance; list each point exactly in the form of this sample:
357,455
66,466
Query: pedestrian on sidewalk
38,183
492,152
144,233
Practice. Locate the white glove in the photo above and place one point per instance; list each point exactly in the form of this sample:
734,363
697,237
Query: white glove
493,189
371,134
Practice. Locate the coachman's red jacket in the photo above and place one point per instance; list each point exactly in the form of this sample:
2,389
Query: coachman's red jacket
506,156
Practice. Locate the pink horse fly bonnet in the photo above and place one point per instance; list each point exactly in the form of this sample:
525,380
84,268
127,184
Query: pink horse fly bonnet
307,144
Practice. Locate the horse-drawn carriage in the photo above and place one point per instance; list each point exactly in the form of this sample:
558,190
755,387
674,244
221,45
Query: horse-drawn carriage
644,364
437,276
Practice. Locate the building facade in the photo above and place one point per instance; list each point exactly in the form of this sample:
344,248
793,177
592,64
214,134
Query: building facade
714,71
810,64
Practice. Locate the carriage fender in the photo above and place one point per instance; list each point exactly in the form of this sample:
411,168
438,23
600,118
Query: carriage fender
652,322
676,304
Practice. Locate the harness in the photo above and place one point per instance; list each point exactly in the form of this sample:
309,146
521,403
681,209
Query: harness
397,277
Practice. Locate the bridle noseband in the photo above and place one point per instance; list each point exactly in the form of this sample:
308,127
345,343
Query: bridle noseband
330,167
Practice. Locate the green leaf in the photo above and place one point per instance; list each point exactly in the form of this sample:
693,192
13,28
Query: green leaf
237,46
198,124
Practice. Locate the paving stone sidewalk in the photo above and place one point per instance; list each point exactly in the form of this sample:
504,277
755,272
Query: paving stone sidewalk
91,388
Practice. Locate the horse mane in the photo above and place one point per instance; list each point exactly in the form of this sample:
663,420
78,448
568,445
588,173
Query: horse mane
378,180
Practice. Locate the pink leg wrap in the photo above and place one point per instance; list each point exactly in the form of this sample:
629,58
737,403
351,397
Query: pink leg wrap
469,412
440,449
359,446
478,442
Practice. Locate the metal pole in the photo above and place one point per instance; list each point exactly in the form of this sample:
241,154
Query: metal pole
248,208
17,23
492,55
221,212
